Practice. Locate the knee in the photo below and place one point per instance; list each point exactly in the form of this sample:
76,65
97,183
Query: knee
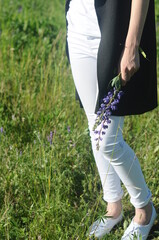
112,150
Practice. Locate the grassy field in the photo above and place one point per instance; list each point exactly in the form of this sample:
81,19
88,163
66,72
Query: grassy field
49,184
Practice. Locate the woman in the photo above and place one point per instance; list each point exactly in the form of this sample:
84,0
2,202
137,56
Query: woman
103,39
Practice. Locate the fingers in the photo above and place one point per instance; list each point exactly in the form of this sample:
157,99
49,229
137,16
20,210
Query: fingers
127,74
129,64
125,77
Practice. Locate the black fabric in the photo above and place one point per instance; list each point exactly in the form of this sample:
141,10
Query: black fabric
140,93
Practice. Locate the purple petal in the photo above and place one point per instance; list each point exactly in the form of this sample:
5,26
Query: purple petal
114,108
68,128
102,105
108,121
106,100
96,131
105,126
120,94
99,112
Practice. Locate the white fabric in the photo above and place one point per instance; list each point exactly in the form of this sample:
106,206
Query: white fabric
83,18
115,160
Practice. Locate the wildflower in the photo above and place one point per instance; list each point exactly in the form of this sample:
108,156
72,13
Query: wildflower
68,129
20,9
10,147
50,137
120,93
71,143
109,104
1,130
13,117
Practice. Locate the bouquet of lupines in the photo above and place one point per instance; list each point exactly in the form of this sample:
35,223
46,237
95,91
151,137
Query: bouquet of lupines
109,103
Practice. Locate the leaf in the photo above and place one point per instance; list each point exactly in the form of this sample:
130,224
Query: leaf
125,225
116,82
142,52
156,149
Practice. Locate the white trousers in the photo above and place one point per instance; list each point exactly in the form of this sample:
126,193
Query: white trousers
115,160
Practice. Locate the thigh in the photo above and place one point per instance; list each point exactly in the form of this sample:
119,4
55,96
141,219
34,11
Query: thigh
83,60
112,140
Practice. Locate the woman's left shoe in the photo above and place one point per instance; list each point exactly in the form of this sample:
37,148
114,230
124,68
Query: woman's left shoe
139,232
101,227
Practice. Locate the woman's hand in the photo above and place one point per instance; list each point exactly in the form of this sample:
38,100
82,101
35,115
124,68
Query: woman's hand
129,63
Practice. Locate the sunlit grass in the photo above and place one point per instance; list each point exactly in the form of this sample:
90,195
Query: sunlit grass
50,188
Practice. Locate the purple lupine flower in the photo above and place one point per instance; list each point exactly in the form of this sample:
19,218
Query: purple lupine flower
108,113
108,121
110,95
99,112
114,108
96,131
108,105
68,129
51,134
105,126
120,93
1,130
50,137
106,100
20,9
102,105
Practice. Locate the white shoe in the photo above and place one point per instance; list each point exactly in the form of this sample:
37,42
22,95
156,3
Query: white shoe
101,227
139,232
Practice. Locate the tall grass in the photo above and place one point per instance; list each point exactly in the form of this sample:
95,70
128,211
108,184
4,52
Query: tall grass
49,184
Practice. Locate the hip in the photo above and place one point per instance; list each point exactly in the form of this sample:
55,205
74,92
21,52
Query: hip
82,19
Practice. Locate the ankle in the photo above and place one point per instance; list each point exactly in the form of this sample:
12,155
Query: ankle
143,215
114,209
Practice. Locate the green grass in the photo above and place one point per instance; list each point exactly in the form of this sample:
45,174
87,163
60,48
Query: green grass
52,191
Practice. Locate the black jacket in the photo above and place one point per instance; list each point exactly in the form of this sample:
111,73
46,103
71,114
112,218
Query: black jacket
140,93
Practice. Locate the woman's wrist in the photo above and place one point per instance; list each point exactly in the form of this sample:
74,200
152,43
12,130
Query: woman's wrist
132,44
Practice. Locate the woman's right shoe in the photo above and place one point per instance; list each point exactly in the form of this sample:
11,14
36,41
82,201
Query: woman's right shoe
136,231
101,227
